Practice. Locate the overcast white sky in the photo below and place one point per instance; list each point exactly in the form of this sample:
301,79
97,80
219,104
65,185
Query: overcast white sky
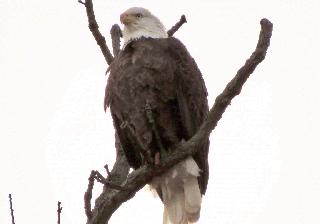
264,154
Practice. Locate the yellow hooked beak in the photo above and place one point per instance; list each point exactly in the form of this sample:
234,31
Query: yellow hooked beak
127,18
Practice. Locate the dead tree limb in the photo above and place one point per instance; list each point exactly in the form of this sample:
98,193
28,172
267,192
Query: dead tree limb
59,210
116,176
177,26
95,175
101,179
109,201
115,37
94,28
88,196
11,209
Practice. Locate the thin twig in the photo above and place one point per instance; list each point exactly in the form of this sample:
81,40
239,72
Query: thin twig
176,27
11,209
59,210
94,28
81,2
107,169
140,177
104,181
116,34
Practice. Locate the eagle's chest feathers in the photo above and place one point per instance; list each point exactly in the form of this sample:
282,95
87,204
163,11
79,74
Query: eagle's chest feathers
141,82
143,74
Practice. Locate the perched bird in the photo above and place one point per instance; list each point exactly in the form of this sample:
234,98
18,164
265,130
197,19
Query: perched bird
157,98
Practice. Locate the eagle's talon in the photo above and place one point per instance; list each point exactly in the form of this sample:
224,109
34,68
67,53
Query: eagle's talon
151,120
160,156
157,159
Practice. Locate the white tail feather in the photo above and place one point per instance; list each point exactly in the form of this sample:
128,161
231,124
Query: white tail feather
192,199
175,209
180,193
165,216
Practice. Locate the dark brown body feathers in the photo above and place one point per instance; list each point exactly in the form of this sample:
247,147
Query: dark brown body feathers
162,73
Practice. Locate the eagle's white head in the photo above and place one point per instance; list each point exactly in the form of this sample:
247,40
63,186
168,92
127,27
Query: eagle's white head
139,22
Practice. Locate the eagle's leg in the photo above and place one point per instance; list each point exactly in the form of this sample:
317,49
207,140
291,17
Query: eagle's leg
141,148
162,153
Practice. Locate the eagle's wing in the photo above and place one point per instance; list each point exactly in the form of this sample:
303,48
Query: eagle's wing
192,100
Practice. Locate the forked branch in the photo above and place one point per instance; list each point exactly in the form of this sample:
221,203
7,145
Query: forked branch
109,201
95,175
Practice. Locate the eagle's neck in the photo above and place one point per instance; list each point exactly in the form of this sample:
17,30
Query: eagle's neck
153,30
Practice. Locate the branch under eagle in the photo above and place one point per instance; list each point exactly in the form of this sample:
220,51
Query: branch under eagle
111,199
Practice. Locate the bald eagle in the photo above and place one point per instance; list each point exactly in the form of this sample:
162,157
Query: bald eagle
155,72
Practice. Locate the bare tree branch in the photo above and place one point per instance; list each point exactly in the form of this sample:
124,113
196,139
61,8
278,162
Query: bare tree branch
117,175
59,210
116,34
94,28
109,201
88,196
107,183
81,2
177,26
95,175
11,209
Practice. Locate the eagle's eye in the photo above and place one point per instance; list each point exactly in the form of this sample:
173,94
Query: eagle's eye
138,15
